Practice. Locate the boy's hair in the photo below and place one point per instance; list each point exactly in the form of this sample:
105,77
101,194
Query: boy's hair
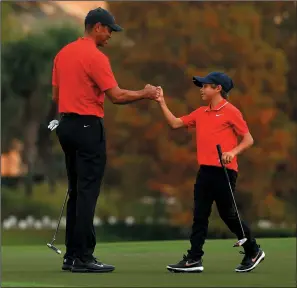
224,94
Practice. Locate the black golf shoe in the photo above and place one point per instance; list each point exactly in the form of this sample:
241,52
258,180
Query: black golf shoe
67,263
186,265
91,266
251,260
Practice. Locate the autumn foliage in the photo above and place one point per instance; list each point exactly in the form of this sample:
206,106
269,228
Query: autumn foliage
167,43
174,41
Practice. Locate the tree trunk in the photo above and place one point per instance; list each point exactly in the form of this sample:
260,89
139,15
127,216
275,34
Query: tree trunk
45,148
31,120
30,137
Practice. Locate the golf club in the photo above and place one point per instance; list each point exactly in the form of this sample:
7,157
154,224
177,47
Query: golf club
50,245
244,239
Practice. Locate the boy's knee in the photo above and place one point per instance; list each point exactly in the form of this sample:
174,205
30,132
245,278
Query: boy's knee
200,219
229,216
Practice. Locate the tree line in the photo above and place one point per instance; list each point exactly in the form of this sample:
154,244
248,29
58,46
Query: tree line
166,43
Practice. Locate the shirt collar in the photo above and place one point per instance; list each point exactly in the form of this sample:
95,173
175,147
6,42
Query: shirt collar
87,40
218,107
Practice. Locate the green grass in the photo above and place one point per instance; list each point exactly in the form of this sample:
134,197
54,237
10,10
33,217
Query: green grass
142,264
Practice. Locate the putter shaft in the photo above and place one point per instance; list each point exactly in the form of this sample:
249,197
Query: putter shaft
241,241
50,245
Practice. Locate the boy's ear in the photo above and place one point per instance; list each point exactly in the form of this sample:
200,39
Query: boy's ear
220,87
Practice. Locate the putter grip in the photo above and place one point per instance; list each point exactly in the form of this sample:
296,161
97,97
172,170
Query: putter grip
219,149
220,153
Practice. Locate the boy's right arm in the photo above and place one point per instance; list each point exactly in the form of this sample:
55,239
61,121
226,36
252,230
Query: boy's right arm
173,121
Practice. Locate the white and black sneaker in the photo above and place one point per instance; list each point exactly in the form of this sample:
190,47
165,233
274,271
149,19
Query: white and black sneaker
187,265
91,266
251,260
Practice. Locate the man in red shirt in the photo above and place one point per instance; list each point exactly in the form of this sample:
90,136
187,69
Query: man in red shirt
218,123
82,76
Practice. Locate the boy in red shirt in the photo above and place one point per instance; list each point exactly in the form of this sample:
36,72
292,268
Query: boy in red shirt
218,123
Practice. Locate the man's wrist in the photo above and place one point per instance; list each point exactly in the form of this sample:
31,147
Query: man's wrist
142,94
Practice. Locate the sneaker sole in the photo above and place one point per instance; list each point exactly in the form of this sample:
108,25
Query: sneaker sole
185,270
261,258
85,270
66,268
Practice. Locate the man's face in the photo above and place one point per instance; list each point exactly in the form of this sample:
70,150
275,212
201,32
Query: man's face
102,34
208,91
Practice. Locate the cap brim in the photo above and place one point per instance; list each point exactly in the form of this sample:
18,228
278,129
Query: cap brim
199,81
116,27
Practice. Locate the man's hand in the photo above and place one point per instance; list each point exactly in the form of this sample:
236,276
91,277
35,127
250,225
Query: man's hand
53,125
151,92
227,157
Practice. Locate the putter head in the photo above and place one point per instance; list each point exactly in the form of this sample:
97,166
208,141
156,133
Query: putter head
240,242
51,246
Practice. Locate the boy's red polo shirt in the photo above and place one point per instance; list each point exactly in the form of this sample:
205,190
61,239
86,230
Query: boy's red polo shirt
82,73
220,125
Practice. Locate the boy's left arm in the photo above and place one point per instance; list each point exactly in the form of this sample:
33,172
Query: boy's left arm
242,130
246,142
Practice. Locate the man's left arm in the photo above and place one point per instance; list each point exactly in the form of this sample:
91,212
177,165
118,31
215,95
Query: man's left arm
55,82
55,94
53,112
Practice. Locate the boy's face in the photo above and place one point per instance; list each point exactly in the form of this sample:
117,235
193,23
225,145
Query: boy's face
208,91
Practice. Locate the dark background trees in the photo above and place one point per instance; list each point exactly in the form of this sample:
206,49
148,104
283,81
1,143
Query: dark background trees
166,43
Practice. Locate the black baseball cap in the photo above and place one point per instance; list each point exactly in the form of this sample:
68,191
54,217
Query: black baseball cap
217,78
104,17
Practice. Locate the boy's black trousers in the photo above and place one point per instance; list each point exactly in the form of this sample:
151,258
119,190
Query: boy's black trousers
212,186
82,139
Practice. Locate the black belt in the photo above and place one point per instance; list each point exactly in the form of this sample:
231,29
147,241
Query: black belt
75,116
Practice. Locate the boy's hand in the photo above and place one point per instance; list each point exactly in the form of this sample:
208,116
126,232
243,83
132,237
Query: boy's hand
227,157
160,97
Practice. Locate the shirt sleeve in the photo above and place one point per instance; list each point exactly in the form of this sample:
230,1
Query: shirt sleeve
238,123
190,119
54,73
101,73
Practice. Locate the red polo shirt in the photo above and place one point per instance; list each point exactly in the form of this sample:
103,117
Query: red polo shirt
219,125
82,73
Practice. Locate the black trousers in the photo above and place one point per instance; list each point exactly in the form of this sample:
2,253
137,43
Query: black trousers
212,186
82,139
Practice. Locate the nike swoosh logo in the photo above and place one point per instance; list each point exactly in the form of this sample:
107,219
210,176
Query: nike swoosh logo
254,259
99,265
219,115
191,264
86,126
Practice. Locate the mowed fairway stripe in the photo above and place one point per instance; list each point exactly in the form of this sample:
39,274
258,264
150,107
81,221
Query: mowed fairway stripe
29,284
143,264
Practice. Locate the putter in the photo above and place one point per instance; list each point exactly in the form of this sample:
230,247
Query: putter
244,239
51,245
